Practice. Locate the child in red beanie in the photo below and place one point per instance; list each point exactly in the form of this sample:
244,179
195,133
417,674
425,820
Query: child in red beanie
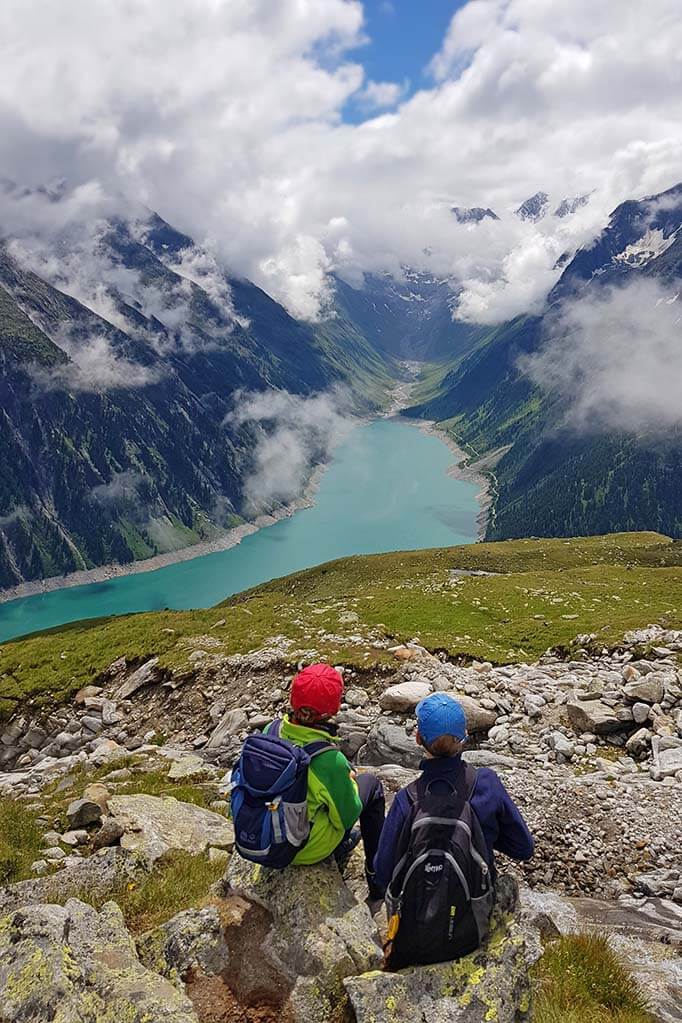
337,799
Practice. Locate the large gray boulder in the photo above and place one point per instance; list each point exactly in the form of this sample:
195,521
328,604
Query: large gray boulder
479,719
190,943
390,744
593,716
156,825
404,696
649,689
73,964
490,984
300,934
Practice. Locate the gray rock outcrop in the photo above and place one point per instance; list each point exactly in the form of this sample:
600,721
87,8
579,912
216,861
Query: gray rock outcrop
490,984
155,825
301,934
73,964
388,743
191,942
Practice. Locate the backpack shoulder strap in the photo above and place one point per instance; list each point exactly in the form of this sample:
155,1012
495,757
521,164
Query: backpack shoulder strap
274,728
313,749
470,777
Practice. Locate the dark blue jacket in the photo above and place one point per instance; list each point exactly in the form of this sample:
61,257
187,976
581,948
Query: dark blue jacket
504,829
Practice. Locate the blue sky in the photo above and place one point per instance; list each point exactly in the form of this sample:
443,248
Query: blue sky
403,37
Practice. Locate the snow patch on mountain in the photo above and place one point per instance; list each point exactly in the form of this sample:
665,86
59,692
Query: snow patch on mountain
653,243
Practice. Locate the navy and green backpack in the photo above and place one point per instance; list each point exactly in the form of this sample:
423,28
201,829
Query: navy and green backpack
269,797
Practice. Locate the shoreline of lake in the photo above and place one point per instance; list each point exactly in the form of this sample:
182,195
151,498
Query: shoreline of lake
223,542
232,537
459,471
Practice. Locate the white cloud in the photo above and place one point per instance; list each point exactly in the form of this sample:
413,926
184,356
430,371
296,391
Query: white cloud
94,366
292,435
381,95
121,488
226,117
614,358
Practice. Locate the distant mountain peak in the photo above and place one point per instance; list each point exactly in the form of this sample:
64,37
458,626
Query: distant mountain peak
534,209
473,214
567,207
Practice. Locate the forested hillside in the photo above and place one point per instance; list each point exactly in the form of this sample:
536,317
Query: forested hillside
571,460
116,440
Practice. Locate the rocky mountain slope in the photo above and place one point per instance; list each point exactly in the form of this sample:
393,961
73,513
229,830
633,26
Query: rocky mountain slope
119,735
566,462
122,356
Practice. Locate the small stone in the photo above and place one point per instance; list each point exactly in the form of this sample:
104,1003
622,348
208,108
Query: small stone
82,812
73,838
640,712
97,793
108,834
86,692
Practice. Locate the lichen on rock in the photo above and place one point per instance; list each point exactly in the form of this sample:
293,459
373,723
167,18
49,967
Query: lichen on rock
308,933
491,984
72,964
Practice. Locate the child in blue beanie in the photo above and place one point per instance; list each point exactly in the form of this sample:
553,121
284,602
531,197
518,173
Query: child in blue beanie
452,809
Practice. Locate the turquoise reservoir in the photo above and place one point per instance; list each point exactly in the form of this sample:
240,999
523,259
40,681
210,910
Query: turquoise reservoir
387,489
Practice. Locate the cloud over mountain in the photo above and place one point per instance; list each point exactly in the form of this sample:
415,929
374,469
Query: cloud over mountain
615,359
227,117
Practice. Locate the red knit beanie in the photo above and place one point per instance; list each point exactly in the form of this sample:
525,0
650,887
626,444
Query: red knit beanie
319,687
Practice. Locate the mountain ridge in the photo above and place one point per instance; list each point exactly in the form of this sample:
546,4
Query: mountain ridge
556,479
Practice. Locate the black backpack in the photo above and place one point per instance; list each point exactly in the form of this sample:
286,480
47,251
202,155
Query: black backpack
442,891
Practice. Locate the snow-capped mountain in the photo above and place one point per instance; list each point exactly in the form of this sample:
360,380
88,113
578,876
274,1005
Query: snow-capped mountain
569,206
473,214
534,208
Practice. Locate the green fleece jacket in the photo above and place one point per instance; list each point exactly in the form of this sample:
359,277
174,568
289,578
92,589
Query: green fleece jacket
333,801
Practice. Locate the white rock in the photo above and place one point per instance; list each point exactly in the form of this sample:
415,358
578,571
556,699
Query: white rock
405,696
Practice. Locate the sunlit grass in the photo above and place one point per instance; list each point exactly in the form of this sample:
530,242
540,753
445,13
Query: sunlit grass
178,882
580,979
21,841
546,592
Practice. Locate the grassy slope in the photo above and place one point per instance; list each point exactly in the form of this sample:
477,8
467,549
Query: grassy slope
580,979
550,591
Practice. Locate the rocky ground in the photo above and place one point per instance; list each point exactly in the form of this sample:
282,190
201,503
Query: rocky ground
590,747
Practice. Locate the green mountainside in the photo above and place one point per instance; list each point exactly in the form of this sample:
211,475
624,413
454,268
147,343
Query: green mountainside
550,478
143,457
542,593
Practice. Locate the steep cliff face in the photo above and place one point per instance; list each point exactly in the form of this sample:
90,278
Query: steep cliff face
583,454
115,435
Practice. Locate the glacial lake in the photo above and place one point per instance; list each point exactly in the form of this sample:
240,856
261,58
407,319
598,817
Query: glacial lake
386,489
